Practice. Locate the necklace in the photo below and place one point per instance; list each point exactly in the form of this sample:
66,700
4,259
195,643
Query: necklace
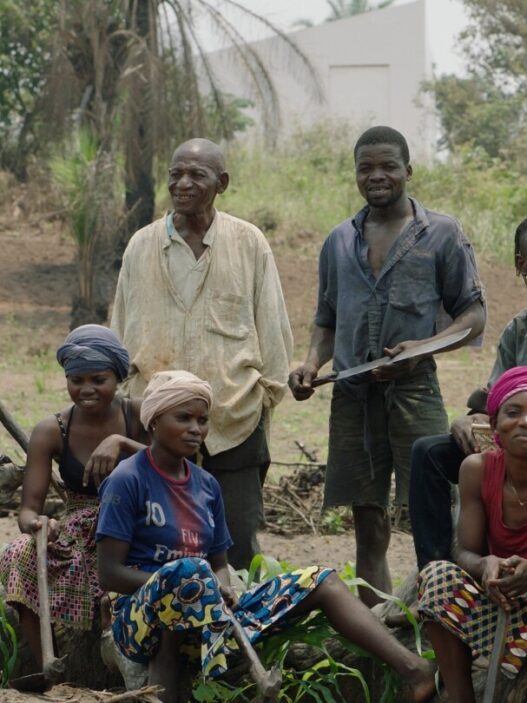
523,503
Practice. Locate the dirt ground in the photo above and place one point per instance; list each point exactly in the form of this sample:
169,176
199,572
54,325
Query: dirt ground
36,283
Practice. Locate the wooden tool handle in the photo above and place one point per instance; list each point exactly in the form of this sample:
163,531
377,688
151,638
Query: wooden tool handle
267,682
247,650
322,380
496,655
46,637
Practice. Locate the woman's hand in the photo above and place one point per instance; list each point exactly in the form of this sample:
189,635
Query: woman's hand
53,528
102,460
229,596
490,580
512,581
219,565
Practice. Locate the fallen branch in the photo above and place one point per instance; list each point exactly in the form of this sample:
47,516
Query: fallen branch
18,434
146,693
292,506
295,501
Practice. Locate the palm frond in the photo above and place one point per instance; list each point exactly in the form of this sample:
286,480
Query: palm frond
251,62
302,61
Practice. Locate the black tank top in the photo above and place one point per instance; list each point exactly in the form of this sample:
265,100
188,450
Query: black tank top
70,468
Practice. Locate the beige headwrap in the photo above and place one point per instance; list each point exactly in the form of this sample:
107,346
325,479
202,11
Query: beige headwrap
167,389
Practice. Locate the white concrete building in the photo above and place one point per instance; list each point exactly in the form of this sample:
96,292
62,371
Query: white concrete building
370,69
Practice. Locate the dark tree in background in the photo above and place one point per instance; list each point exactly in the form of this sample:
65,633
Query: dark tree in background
129,79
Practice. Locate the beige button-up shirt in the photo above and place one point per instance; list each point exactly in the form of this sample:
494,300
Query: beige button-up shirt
186,271
235,333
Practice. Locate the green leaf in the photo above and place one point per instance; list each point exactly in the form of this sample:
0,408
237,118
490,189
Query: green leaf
393,599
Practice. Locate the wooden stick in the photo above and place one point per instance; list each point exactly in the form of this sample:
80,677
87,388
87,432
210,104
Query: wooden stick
46,638
495,657
268,682
293,507
312,456
150,692
14,429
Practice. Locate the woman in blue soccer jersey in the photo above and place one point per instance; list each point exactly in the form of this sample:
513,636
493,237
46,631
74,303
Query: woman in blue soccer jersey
162,551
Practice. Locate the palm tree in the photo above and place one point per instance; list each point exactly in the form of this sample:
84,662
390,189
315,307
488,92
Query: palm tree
347,8
85,177
132,72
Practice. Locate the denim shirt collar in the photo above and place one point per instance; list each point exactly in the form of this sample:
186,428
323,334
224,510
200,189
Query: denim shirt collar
420,219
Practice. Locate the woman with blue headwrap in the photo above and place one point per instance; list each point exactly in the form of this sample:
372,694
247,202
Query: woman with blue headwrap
87,439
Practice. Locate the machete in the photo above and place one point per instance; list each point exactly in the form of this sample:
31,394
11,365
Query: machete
426,348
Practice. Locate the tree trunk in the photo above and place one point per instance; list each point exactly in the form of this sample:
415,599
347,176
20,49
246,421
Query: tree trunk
98,266
139,127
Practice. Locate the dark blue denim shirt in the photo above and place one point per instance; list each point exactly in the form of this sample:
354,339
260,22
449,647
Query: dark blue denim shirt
512,347
430,264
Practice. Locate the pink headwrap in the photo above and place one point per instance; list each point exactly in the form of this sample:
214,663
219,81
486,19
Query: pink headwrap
508,384
167,389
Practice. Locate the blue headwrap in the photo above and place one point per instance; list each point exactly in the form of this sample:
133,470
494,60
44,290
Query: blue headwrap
93,348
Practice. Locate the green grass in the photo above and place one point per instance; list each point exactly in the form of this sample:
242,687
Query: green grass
309,186
32,382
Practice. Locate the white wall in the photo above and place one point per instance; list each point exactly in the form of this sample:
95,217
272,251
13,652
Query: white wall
370,69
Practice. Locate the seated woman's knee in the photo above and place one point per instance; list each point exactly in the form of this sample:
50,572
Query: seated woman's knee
186,567
447,568
330,585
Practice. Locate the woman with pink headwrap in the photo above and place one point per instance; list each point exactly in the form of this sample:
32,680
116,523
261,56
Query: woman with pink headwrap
459,602
162,551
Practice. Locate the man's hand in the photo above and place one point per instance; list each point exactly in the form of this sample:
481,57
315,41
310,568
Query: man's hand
300,381
461,430
103,460
397,370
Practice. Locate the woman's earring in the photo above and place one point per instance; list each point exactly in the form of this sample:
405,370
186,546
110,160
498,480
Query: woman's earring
153,428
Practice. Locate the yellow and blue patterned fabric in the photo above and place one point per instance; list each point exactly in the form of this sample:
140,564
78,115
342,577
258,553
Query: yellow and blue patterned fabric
183,595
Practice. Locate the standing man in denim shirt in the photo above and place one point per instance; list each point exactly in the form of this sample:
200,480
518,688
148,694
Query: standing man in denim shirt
383,277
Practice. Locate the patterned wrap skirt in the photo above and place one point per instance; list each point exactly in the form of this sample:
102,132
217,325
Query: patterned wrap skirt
72,569
451,597
183,596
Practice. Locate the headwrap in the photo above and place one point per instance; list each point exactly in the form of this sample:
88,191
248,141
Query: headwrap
92,348
168,389
508,384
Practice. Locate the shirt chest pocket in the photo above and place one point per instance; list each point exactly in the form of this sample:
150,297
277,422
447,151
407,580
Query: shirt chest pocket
414,287
227,314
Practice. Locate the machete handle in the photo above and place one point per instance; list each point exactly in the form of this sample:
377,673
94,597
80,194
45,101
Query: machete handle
322,380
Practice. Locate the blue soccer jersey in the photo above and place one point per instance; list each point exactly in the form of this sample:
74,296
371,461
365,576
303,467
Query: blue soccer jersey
162,518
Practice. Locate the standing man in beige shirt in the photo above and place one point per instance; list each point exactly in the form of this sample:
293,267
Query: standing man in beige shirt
199,290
